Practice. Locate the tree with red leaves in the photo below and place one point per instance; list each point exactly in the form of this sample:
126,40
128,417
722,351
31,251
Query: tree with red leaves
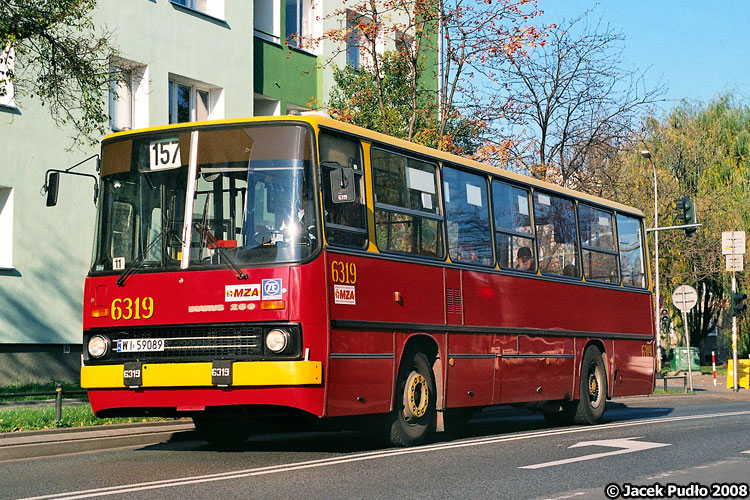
446,50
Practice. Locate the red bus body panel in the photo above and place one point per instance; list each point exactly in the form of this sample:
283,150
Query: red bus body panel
501,338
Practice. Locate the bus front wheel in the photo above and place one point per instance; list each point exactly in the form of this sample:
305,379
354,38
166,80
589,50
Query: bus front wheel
413,417
593,388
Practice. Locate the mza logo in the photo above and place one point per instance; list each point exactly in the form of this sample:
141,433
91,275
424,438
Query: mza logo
272,289
241,293
343,294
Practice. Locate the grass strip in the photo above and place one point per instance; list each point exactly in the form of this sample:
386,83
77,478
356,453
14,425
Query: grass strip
30,419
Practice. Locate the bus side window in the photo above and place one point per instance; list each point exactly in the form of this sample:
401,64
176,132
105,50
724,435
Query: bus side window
555,221
468,217
345,223
513,229
629,238
407,213
598,244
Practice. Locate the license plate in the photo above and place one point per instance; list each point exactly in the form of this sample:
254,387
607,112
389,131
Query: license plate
140,345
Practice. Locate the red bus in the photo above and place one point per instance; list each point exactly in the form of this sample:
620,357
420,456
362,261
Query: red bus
245,271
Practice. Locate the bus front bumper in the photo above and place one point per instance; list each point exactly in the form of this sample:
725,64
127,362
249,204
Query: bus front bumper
244,374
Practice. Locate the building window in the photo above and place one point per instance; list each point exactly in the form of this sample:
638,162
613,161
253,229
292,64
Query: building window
353,37
213,8
299,21
6,227
189,102
267,19
7,90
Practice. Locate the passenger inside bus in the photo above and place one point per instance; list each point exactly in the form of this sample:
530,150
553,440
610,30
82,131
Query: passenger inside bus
524,259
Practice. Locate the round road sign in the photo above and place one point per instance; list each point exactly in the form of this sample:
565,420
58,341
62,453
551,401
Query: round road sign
684,298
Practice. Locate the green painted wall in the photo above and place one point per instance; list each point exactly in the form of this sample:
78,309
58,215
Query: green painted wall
289,75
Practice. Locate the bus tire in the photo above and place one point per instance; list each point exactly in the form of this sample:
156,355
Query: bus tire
222,431
414,416
593,388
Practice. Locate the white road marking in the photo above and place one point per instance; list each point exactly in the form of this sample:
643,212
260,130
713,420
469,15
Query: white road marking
361,457
625,445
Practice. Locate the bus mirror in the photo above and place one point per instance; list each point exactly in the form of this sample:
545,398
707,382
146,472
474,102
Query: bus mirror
342,185
53,184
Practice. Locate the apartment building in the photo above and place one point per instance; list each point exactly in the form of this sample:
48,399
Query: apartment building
185,60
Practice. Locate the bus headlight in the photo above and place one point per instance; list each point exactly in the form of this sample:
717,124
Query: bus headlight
98,346
277,340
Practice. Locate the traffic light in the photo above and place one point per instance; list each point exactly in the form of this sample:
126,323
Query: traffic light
686,214
738,305
665,320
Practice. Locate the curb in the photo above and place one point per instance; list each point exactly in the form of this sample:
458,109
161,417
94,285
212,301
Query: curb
51,442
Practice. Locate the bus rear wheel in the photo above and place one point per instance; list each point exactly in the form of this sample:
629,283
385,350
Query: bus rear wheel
413,417
593,388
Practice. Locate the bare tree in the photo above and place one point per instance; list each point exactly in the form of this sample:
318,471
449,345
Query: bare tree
575,104
450,42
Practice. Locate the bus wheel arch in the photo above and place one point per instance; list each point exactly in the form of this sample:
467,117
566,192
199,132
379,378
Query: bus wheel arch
415,401
593,386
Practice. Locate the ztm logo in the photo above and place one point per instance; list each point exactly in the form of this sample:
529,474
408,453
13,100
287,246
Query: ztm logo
272,289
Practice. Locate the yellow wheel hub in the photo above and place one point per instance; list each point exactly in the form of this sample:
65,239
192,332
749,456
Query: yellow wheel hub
416,396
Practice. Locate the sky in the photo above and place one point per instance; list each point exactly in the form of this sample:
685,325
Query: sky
699,49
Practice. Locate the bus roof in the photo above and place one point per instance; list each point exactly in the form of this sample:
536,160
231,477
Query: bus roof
321,120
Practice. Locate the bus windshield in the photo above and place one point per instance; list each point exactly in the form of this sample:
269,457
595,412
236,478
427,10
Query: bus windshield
250,203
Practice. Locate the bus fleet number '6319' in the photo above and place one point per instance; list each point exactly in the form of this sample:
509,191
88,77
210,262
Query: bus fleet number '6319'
137,308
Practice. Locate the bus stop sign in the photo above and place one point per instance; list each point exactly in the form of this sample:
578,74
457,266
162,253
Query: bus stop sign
684,298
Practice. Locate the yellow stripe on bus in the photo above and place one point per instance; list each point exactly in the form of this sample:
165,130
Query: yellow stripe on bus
252,373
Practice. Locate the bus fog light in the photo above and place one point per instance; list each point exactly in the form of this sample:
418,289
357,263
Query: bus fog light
98,346
277,340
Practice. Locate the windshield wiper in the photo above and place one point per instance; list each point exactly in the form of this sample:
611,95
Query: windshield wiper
138,261
225,258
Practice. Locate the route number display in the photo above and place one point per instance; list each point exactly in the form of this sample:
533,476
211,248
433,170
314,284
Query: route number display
164,154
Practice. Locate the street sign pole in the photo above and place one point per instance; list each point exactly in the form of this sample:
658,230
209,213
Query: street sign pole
733,247
735,371
689,354
685,298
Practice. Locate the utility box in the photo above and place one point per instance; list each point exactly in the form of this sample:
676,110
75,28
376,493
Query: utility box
743,373
678,359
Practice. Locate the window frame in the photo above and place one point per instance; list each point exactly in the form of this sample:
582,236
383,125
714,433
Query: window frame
516,234
577,234
361,180
642,252
599,250
194,88
7,194
307,26
193,6
275,16
489,208
8,65
438,216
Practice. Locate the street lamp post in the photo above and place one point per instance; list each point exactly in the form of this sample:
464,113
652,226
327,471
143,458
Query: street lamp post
647,154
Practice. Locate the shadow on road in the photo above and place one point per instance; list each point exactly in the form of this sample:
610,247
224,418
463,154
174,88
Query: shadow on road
494,421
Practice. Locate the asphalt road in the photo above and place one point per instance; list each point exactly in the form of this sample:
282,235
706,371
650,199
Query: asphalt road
500,454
